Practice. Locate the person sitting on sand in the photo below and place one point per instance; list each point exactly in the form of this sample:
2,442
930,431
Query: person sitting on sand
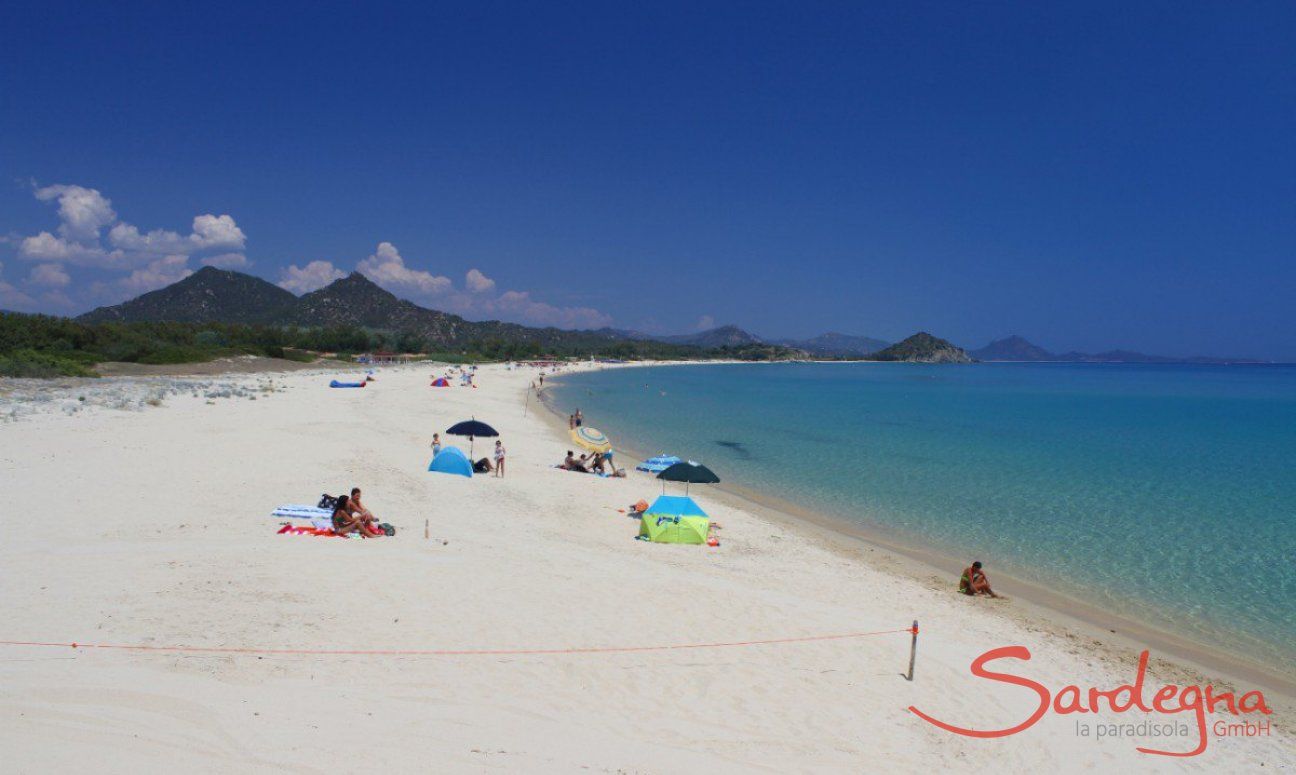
975,582
345,522
483,466
359,511
572,464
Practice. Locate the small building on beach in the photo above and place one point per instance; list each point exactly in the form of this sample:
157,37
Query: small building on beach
383,358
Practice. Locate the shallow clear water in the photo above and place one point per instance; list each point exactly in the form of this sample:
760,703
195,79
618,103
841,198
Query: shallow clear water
1165,493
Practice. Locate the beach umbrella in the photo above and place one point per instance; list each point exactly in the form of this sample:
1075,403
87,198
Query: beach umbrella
688,472
472,429
590,438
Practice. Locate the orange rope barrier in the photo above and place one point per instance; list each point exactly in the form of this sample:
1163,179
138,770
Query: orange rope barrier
447,652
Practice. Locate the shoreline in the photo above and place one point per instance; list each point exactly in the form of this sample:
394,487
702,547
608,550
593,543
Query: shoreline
1119,636
512,623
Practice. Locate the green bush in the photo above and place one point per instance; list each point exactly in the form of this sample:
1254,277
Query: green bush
29,363
177,354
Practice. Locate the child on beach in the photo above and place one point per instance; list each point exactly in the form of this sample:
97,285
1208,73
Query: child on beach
499,458
436,444
975,582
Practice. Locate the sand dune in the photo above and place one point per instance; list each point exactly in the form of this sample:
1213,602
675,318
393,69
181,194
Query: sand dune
151,527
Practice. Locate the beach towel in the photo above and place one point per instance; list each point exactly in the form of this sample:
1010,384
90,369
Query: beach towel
298,511
336,384
326,532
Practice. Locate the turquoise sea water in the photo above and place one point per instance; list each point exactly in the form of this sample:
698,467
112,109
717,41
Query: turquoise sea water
1164,493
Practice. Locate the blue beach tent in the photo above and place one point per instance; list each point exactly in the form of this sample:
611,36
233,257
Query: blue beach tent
451,460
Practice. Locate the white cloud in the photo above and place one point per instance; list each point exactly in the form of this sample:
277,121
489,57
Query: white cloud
706,323
305,279
161,241
477,282
158,274
11,297
46,247
49,276
520,305
83,211
387,268
227,261
148,259
217,232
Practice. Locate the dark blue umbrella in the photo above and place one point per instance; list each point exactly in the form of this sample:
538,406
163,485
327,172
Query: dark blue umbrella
472,429
688,473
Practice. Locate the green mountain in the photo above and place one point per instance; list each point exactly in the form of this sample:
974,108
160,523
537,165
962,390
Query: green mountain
1012,348
356,303
209,295
724,336
922,347
835,345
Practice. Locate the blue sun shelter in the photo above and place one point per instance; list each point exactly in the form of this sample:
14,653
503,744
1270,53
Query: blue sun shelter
451,460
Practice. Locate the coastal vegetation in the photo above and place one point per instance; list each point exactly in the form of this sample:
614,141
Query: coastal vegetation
48,346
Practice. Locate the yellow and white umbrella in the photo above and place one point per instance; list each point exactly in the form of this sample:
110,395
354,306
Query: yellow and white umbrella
591,439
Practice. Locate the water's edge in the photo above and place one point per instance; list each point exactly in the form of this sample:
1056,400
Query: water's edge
939,569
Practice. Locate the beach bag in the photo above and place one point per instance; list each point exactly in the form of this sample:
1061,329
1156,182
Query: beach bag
327,502
387,529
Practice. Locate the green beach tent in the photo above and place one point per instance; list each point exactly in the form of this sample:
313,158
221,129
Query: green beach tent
674,519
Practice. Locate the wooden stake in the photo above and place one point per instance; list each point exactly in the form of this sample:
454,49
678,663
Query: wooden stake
425,537
913,650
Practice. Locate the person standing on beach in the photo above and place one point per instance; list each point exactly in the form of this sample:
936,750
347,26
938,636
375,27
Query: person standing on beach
436,444
578,419
571,422
975,582
499,458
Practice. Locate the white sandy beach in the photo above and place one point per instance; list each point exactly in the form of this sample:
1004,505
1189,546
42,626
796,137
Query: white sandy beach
152,527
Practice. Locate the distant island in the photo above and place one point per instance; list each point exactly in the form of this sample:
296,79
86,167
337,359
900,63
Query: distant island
1016,348
922,347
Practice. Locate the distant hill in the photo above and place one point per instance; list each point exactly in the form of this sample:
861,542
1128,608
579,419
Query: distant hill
220,296
209,295
724,336
835,345
1015,348
1012,348
922,347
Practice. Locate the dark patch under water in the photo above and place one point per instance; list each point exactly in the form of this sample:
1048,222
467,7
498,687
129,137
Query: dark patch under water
737,447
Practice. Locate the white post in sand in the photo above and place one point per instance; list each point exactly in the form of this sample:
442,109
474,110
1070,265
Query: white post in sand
913,650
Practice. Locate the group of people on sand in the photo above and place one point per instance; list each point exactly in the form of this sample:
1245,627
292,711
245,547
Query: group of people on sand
351,516
594,463
483,466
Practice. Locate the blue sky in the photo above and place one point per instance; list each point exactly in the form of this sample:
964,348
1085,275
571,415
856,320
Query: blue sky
1087,175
